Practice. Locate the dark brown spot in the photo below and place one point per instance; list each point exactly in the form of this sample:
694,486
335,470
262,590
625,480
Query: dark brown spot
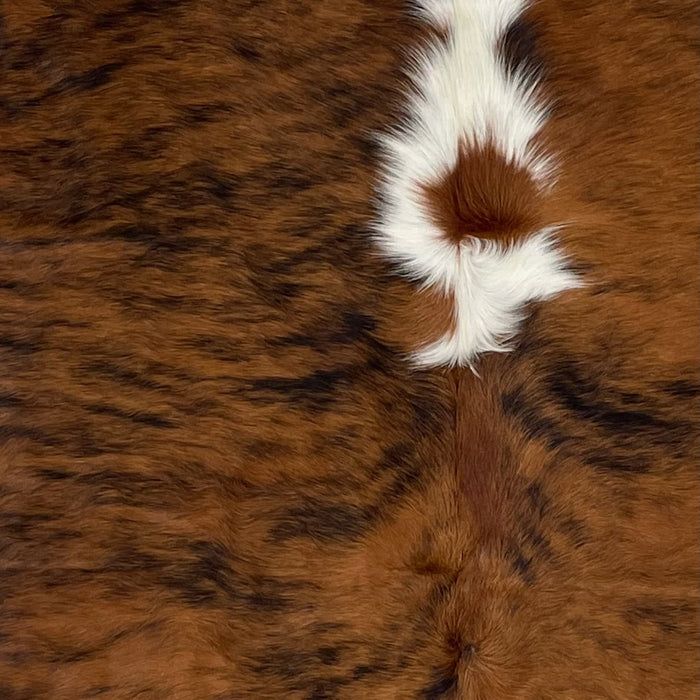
485,196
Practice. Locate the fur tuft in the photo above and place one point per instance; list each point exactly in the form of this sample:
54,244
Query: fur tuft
478,240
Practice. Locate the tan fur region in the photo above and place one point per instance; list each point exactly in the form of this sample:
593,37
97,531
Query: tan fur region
417,318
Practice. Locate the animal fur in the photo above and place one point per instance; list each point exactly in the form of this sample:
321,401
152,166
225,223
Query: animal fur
466,103
219,477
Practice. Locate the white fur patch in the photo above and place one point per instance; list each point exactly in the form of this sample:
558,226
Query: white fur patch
464,95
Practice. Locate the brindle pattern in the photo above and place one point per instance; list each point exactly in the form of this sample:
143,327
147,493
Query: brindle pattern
218,477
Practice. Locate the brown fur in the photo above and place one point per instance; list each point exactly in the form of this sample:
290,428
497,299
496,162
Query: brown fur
485,196
219,479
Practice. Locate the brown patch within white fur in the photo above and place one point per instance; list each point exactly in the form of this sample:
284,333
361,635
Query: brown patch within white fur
485,196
